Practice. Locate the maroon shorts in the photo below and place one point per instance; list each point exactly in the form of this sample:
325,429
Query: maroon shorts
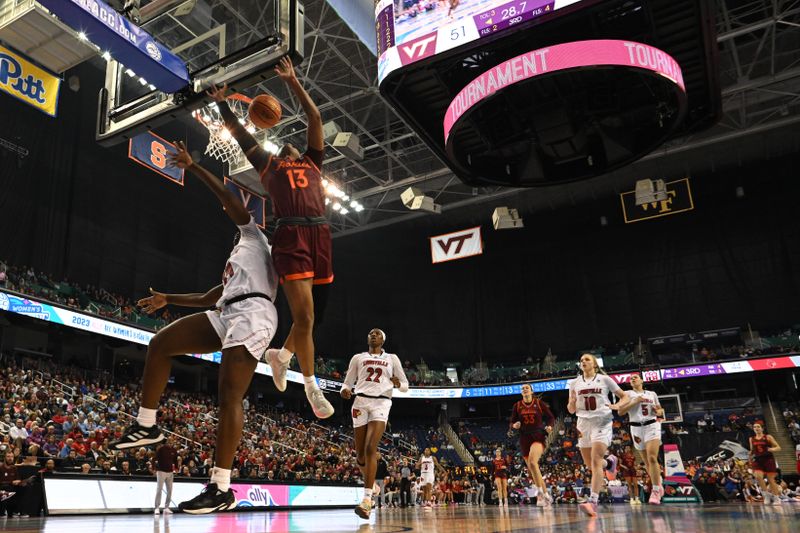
526,441
303,252
765,464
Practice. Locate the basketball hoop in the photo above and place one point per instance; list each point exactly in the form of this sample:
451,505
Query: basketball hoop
221,144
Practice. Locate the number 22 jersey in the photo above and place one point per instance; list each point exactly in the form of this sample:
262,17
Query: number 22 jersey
371,374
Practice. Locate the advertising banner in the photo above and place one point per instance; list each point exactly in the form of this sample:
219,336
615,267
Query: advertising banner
26,82
456,245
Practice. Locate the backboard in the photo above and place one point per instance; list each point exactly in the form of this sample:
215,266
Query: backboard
221,41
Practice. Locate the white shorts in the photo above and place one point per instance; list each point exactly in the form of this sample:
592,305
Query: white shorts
250,323
366,410
596,429
644,434
428,479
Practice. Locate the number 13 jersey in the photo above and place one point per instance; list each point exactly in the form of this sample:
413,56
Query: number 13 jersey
295,187
592,395
371,374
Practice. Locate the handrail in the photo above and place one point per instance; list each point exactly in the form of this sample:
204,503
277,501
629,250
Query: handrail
105,405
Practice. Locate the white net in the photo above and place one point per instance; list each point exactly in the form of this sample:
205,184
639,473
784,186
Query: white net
221,144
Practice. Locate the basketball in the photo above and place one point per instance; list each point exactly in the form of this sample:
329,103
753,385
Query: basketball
264,111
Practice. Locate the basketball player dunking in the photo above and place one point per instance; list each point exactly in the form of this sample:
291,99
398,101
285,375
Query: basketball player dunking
301,246
371,377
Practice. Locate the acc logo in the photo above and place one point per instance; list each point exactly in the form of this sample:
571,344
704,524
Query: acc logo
153,50
5,303
356,413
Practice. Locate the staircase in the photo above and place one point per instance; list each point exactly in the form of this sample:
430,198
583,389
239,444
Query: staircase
453,439
779,429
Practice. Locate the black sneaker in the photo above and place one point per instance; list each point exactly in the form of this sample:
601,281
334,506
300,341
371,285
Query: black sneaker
136,436
209,501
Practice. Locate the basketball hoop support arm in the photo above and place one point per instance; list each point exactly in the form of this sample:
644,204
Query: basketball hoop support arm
118,122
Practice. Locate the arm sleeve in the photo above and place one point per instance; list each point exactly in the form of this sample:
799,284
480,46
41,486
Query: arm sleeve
352,374
398,372
257,156
547,414
316,156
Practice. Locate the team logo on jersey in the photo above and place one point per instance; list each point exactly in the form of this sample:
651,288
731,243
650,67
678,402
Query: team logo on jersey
637,440
356,413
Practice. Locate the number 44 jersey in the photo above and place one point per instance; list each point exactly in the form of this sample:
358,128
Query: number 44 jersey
371,374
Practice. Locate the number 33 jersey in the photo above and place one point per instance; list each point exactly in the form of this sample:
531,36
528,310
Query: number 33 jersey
371,374
295,187
592,395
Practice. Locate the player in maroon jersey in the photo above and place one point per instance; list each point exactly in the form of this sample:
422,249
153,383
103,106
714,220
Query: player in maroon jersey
762,447
628,467
500,467
301,245
534,420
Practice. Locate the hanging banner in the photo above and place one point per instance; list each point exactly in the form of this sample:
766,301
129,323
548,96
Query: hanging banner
255,203
456,245
679,199
151,151
25,81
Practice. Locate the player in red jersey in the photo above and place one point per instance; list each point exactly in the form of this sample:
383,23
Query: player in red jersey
762,459
301,245
628,467
500,467
534,420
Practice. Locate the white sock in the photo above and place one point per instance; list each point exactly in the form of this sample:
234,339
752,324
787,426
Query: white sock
146,417
222,478
367,494
310,383
594,497
285,355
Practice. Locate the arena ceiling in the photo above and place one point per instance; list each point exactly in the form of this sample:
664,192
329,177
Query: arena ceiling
759,53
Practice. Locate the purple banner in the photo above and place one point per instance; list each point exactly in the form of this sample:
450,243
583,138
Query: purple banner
384,25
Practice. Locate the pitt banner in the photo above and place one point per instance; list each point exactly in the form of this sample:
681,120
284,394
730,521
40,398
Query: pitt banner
255,203
679,199
23,80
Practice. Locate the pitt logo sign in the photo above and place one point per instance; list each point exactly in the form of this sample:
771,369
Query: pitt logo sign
456,245
679,199
27,82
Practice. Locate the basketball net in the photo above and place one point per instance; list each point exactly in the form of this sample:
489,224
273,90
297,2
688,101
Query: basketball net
221,144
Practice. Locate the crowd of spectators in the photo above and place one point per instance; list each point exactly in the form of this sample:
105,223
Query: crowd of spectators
791,414
88,298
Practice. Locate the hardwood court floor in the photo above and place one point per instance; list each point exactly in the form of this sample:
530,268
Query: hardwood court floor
729,518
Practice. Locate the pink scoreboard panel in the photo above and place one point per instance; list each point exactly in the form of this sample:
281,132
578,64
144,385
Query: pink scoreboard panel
411,30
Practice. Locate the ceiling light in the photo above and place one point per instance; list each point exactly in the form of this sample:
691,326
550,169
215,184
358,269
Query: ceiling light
343,211
130,73
107,56
82,36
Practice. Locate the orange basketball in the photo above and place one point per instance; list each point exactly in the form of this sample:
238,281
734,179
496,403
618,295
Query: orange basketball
264,111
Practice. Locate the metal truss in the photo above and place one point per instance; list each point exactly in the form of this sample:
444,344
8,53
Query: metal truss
759,54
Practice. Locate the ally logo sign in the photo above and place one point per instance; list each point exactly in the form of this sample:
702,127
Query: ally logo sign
23,80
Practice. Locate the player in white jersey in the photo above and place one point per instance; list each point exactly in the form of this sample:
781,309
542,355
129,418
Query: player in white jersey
242,326
371,377
428,465
589,400
644,411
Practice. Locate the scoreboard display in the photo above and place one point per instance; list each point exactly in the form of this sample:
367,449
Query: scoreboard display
412,30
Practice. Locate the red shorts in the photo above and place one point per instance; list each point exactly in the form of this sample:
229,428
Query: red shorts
526,441
303,252
765,464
